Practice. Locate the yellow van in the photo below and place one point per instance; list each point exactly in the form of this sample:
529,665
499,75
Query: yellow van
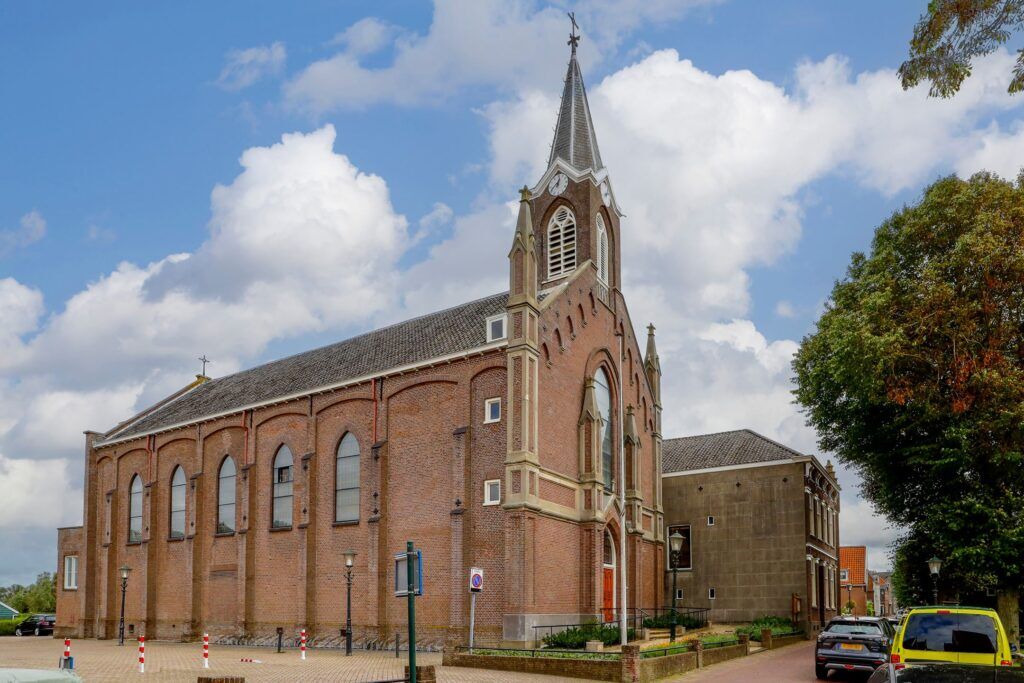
961,635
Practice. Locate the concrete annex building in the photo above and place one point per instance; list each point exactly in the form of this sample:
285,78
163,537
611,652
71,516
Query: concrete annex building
513,433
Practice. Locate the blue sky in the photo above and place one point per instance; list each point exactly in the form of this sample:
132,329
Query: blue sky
753,145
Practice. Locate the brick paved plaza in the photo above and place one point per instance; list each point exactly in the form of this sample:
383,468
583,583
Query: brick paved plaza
103,660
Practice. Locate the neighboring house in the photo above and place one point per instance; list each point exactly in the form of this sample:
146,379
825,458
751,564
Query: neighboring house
854,579
761,527
7,612
519,433
882,594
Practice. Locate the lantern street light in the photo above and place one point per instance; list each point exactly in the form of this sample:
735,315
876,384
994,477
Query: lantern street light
935,566
350,560
675,544
125,569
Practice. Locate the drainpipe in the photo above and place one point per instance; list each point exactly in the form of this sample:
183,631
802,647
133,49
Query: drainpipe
623,635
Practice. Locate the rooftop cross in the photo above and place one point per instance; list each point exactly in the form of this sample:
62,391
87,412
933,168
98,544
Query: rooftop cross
204,360
574,38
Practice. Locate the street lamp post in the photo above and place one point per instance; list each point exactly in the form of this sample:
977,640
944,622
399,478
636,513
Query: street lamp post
350,560
125,569
934,567
675,544
849,597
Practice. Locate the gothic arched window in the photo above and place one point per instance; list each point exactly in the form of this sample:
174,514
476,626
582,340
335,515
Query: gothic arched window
177,528
604,406
282,493
226,497
135,510
346,480
561,243
602,250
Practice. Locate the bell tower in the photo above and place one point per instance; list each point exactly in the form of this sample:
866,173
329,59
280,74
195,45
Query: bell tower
576,217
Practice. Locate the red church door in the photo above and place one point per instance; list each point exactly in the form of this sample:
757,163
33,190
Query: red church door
609,594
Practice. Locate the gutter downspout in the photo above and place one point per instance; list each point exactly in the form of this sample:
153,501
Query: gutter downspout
623,635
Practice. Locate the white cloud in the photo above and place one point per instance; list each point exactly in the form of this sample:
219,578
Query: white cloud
242,68
439,215
995,150
38,494
20,310
470,43
785,309
31,228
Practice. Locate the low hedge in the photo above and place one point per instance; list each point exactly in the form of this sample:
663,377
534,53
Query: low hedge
665,621
778,625
576,637
7,626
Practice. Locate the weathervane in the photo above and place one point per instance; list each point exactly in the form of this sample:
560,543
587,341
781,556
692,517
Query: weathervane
574,38
204,360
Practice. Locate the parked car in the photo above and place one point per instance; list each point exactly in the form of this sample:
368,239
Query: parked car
957,635
37,624
853,644
946,673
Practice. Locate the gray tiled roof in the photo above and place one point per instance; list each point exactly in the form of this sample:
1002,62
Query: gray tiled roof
431,336
724,449
575,140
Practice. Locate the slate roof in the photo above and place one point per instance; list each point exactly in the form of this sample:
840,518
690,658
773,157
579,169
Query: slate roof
724,449
575,140
435,335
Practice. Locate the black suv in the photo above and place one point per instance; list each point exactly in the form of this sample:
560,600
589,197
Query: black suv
853,644
38,624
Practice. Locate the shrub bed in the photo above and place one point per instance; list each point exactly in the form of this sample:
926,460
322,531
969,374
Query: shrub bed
777,625
665,621
7,626
576,637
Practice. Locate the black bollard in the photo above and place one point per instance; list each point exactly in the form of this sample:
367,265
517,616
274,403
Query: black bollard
280,635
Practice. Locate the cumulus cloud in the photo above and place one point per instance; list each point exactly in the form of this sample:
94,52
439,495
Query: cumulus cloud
470,43
31,228
38,493
242,68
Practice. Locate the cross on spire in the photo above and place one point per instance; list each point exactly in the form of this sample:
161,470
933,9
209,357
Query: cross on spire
574,38
204,361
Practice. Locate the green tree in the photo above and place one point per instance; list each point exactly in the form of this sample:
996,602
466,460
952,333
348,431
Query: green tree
41,596
951,33
914,377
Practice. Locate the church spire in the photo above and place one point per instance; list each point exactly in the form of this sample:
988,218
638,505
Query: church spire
575,141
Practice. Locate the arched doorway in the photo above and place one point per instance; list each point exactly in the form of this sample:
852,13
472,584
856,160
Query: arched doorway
608,578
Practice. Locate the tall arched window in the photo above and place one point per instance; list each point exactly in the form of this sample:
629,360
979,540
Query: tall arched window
604,406
178,503
226,497
346,480
135,510
602,250
282,516
561,243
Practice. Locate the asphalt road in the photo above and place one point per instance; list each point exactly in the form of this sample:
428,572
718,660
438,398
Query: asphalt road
791,664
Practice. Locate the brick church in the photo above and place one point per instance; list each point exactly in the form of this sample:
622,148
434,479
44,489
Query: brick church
519,433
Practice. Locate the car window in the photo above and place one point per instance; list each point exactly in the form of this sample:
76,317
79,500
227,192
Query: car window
866,628
971,633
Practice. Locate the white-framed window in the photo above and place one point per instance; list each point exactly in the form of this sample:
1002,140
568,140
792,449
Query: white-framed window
711,594
346,480
492,410
177,511
492,492
281,490
496,328
711,520
602,249
561,243
844,574
679,594
135,510
70,572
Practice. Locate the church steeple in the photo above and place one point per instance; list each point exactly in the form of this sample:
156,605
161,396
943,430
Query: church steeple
575,142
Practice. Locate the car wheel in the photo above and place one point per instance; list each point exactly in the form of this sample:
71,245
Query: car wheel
17,631
821,672
38,632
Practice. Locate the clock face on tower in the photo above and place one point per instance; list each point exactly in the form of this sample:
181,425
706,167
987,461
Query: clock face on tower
606,194
558,184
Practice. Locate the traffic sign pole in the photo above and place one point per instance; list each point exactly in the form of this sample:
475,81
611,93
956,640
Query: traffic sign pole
472,619
476,584
410,560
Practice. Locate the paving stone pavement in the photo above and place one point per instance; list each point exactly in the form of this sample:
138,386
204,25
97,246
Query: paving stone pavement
104,660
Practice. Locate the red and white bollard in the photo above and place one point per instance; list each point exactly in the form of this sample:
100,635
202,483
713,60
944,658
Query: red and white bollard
67,649
206,650
303,646
142,654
